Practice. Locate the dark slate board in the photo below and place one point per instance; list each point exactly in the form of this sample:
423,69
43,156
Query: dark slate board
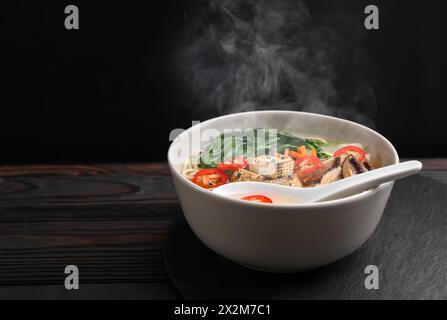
409,247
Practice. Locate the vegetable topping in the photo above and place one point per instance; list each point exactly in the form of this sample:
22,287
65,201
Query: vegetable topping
351,150
306,166
238,163
258,198
210,178
276,157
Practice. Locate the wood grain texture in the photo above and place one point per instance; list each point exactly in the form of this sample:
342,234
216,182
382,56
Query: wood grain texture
108,219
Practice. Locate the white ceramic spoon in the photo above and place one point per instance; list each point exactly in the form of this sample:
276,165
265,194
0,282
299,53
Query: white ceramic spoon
338,189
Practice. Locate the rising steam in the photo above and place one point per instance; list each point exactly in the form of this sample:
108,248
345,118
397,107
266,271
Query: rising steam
259,54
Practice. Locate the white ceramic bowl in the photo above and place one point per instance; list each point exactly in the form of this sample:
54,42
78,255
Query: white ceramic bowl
283,238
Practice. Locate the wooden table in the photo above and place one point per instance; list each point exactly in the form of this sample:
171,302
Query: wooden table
108,220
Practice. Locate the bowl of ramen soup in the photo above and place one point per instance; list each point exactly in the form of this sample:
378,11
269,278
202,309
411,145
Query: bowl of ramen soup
294,149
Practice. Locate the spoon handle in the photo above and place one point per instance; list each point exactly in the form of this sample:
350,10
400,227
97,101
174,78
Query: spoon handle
370,179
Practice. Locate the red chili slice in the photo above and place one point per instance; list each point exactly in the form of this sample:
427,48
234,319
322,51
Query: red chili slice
258,198
210,178
351,149
307,165
234,165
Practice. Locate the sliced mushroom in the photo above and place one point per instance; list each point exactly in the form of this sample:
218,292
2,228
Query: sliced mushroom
245,175
351,167
294,181
367,165
328,163
343,158
331,176
338,162
291,180
331,163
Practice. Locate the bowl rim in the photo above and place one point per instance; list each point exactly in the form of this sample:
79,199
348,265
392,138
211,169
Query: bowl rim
340,201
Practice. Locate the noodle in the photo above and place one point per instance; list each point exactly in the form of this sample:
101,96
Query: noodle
190,167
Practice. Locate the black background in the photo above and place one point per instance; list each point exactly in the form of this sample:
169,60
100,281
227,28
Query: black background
110,92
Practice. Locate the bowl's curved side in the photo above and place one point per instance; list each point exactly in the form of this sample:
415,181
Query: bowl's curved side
281,239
